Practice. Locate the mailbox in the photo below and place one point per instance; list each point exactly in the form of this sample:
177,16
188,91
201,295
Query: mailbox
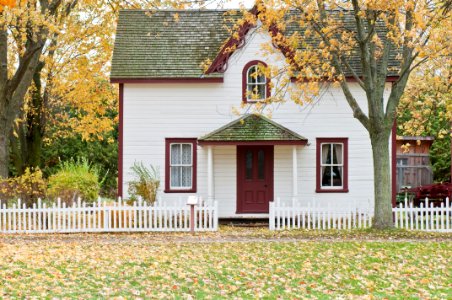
192,200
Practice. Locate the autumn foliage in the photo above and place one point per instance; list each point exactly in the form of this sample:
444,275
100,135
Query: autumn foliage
9,3
28,187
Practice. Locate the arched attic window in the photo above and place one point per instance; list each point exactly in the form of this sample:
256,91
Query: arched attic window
255,85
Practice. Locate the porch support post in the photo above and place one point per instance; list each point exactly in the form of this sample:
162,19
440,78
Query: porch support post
210,184
294,175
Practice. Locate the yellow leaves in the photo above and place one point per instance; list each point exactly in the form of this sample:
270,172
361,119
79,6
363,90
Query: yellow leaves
211,265
28,187
426,100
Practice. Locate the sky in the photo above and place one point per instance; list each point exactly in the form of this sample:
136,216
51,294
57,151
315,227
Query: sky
231,3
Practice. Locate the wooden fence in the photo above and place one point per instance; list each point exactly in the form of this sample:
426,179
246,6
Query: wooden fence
315,216
106,217
426,217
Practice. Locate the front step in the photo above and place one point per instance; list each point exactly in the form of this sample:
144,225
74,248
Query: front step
239,222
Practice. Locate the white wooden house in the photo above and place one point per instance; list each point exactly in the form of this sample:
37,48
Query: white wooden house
177,117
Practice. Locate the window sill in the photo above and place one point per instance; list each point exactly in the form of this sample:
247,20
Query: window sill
179,191
250,101
331,190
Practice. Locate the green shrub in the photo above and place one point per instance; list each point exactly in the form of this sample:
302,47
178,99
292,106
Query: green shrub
28,187
146,183
101,153
75,179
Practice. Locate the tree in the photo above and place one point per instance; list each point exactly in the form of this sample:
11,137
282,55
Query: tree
24,30
70,85
425,110
31,34
373,31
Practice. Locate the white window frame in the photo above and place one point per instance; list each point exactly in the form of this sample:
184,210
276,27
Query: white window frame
331,187
248,95
181,165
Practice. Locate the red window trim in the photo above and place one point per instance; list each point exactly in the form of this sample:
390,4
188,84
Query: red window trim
344,188
168,142
244,77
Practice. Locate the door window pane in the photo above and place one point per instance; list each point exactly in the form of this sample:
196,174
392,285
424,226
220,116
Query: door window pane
249,165
261,164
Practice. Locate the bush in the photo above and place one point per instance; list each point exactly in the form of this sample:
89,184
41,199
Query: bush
101,153
75,179
28,187
146,183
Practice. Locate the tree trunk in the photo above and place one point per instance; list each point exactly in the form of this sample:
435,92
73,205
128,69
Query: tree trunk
26,144
382,181
4,151
16,155
35,122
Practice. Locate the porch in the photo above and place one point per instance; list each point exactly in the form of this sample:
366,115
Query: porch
248,162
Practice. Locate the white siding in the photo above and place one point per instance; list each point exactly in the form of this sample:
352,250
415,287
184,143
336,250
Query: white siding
153,112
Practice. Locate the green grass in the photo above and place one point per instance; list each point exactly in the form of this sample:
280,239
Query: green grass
213,266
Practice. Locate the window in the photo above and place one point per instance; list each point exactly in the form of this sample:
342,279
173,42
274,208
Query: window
332,165
402,161
256,87
180,165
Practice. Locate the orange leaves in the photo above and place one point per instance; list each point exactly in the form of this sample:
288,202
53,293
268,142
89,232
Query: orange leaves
9,3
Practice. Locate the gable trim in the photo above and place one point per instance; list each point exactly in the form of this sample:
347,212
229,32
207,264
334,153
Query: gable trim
220,63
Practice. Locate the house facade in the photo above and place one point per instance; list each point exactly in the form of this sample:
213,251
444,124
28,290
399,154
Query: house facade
200,130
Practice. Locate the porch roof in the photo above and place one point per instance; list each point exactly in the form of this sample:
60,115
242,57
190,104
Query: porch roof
252,129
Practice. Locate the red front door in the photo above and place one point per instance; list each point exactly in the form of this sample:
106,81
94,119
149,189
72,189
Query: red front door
254,178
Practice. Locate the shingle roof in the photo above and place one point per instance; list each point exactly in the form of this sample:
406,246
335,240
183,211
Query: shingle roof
173,44
155,45
252,127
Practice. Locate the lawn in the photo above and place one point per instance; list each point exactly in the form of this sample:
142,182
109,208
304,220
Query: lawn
230,264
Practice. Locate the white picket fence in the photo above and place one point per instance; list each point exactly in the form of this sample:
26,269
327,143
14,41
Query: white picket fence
424,218
106,217
315,216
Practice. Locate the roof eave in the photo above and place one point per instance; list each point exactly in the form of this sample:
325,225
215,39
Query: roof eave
254,143
167,80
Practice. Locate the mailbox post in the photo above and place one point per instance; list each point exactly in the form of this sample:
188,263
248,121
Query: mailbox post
192,201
